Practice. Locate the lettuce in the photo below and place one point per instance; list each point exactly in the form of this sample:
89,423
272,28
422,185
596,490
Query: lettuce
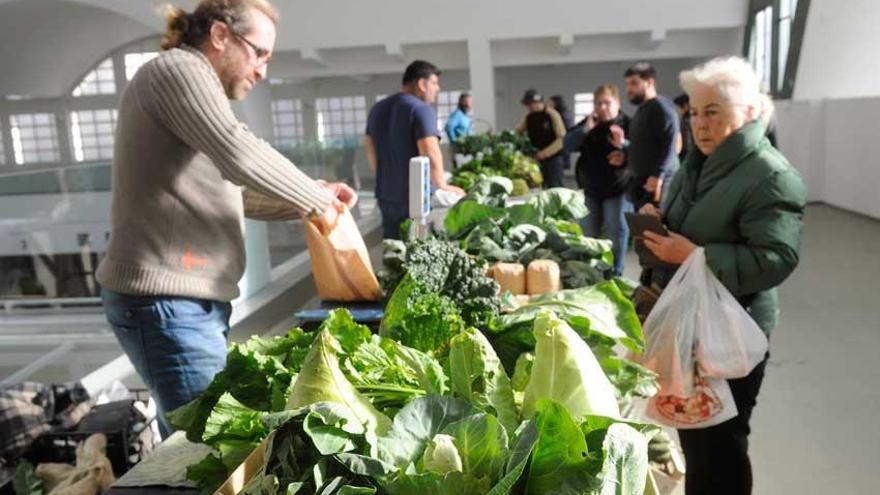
322,380
478,377
565,370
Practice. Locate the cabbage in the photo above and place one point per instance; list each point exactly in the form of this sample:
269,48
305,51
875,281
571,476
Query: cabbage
321,380
566,371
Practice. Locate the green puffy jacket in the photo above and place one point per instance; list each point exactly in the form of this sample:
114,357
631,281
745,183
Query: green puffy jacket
745,205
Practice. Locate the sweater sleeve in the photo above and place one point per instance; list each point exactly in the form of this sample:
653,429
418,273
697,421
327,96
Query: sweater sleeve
261,207
188,98
770,226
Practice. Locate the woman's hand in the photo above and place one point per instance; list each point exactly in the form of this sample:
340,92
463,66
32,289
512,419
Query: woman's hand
649,209
616,136
673,249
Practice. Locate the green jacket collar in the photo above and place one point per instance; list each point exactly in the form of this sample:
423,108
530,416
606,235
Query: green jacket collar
702,172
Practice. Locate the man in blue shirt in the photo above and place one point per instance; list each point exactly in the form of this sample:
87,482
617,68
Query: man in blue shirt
459,123
399,128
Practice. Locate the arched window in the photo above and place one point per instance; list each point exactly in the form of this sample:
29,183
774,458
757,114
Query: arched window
134,61
100,81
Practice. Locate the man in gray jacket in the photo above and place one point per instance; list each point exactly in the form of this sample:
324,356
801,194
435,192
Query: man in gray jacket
186,172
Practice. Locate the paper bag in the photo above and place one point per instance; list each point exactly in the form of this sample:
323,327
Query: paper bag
340,262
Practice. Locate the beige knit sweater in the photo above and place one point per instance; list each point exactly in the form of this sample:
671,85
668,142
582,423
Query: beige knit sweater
185,173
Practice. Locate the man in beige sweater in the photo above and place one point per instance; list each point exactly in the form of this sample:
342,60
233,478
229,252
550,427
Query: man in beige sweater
185,174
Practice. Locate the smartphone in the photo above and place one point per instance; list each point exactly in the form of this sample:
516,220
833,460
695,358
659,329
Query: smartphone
640,222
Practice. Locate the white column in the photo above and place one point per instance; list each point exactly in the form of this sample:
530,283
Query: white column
482,79
256,112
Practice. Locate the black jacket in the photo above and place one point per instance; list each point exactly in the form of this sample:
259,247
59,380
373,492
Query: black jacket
594,174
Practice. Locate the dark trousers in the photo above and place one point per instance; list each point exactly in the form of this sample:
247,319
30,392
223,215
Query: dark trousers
718,457
393,214
552,170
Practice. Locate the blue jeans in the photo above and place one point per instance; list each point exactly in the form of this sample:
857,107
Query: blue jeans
176,344
608,216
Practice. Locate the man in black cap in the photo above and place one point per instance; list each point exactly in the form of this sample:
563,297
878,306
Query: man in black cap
546,130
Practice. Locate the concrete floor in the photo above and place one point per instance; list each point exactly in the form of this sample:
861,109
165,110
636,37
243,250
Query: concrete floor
815,429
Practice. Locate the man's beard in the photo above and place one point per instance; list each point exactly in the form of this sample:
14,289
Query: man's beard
637,99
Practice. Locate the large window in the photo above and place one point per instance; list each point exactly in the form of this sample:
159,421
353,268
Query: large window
91,134
583,105
341,119
100,81
775,30
134,61
447,102
287,122
761,46
34,138
787,8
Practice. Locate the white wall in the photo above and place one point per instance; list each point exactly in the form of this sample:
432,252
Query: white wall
839,55
829,130
567,80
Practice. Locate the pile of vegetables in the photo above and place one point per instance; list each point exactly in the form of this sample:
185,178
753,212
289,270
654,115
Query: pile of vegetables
452,397
545,227
505,155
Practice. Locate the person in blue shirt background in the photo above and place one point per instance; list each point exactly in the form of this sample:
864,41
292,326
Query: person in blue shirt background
459,122
399,128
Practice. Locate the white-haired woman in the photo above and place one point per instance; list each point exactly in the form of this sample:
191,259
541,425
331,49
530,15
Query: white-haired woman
740,199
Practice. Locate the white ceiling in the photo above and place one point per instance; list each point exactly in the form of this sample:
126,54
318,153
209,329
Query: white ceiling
48,45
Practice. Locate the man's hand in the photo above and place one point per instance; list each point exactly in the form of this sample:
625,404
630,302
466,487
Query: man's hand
538,157
453,189
617,136
616,158
341,191
673,249
326,222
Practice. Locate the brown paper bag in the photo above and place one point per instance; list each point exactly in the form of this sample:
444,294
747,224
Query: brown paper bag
340,262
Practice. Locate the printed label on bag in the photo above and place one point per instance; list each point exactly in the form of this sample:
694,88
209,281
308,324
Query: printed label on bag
701,406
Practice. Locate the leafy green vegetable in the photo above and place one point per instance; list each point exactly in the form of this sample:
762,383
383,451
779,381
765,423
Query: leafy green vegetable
482,445
522,371
420,318
439,267
416,424
25,482
441,455
431,483
478,377
526,438
301,451
209,473
561,461
322,380
467,214
560,203
625,469
600,309
565,370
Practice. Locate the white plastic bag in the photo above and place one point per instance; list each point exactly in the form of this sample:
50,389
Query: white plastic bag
697,325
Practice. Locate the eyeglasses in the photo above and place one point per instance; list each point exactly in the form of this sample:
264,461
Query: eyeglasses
262,54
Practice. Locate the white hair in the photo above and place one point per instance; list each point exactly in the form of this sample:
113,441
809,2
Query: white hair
735,80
